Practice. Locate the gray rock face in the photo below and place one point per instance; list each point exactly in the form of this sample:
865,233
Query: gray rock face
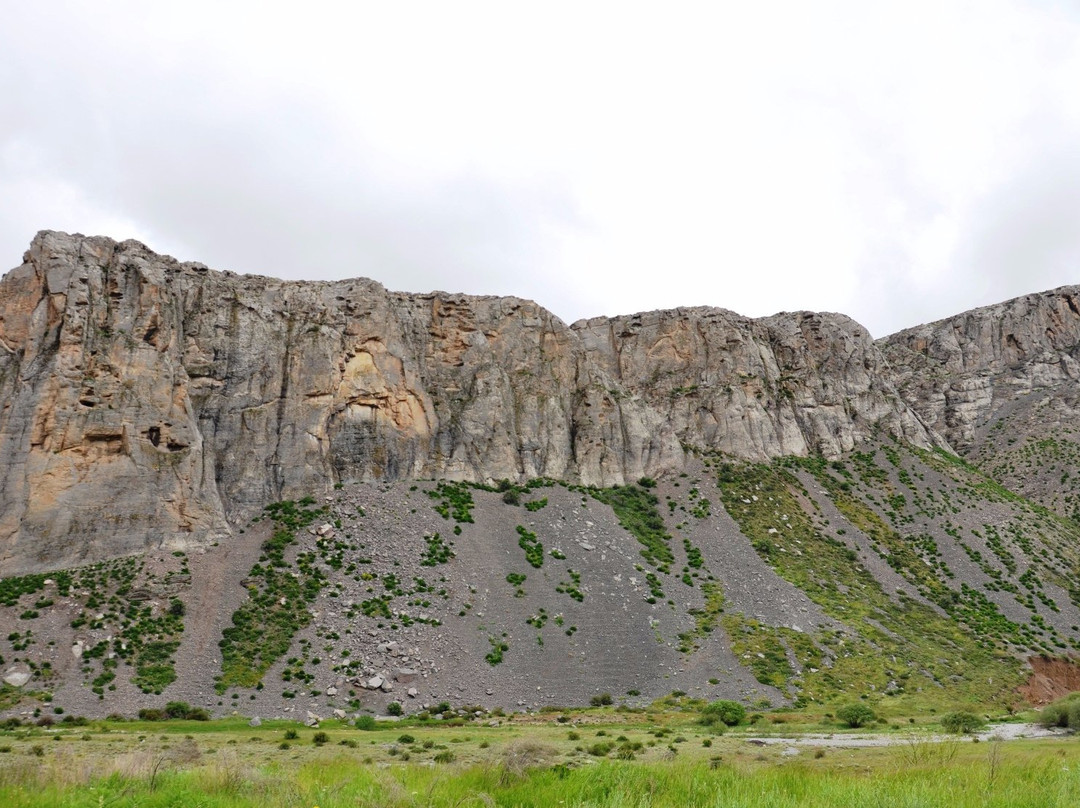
790,384
959,372
151,403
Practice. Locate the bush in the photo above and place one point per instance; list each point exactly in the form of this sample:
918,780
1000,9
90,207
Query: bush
320,738
727,712
291,735
961,723
365,722
1062,713
601,700
394,708
855,715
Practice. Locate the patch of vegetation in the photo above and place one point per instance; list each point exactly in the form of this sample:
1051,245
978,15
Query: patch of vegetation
637,511
262,629
516,579
12,589
174,711
495,655
534,550
453,500
571,587
437,552
706,618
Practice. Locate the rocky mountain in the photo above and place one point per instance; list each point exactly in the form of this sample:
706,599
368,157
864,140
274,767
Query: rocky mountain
1002,384
152,403
274,497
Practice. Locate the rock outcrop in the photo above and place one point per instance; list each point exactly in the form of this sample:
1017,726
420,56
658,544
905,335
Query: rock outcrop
148,402
960,372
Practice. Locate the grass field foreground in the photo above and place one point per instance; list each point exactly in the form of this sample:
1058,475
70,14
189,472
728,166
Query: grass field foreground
588,762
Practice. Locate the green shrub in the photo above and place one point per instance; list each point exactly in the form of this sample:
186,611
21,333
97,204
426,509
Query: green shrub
962,723
394,708
365,722
855,715
1062,713
601,700
727,712
320,738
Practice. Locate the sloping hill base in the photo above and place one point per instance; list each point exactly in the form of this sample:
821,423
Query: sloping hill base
894,574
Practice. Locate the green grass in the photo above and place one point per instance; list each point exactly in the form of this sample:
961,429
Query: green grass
657,762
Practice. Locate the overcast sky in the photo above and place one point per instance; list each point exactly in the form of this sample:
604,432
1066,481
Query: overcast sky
896,161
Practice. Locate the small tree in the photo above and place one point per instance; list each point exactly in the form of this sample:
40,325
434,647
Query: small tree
855,715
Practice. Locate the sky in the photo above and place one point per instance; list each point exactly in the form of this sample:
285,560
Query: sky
895,161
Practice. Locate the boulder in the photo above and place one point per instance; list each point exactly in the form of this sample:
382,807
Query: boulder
17,676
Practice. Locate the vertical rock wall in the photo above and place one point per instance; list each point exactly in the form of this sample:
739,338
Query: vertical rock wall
146,402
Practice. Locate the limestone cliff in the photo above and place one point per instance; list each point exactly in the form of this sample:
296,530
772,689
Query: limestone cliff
148,402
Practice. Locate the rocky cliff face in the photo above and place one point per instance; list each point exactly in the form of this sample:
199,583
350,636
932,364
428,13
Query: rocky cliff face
147,402
790,384
1002,383
959,372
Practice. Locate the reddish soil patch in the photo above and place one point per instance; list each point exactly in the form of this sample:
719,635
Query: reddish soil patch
1051,679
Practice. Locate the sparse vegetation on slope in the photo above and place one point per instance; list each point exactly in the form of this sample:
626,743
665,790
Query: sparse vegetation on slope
262,629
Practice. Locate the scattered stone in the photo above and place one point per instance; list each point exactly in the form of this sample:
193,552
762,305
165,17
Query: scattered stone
255,722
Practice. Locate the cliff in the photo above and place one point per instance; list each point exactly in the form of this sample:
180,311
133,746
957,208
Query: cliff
148,402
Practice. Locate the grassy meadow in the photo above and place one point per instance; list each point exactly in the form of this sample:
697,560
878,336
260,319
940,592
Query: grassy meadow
575,758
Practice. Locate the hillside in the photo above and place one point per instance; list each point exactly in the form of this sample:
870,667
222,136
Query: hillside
277,497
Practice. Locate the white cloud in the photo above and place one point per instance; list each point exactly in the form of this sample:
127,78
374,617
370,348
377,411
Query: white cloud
897,161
